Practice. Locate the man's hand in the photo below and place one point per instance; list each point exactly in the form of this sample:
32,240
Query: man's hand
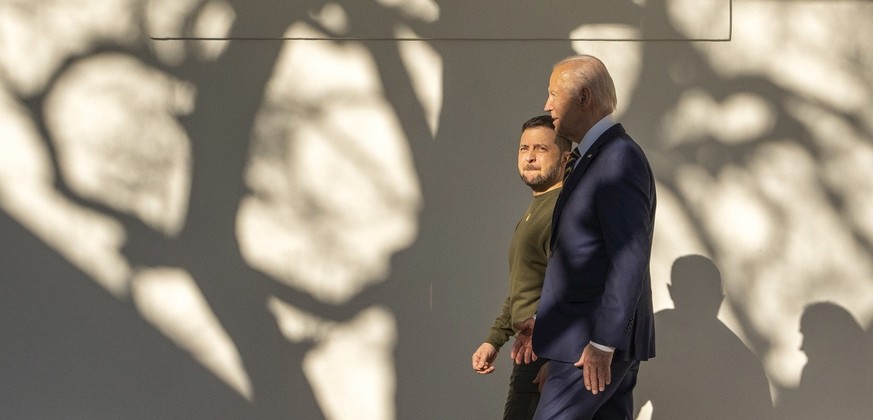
522,348
595,368
483,359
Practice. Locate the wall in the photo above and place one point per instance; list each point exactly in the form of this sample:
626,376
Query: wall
231,210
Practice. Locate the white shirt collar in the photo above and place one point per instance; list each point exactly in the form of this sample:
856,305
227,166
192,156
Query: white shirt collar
594,133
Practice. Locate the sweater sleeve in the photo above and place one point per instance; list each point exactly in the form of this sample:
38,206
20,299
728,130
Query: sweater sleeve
501,330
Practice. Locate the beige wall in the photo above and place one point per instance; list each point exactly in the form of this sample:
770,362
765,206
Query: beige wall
230,210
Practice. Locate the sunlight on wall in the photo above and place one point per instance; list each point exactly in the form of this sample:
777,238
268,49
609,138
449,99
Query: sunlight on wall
113,126
425,10
167,18
113,121
170,299
425,67
701,18
364,388
87,238
786,211
335,194
214,21
782,239
848,163
333,17
350,196
814,60
742,117
624,58
675,235
770,162
36,37
351,367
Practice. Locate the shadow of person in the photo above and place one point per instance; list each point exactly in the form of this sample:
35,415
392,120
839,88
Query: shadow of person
702,370
837,382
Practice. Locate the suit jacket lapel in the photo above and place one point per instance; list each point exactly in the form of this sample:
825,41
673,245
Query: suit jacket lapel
575,176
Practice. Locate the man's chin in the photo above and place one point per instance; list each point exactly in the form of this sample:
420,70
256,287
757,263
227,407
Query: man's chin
535,184
529,175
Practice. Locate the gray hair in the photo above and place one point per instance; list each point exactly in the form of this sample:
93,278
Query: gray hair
588,71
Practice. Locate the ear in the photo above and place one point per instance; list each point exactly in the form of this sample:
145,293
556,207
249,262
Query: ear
585,97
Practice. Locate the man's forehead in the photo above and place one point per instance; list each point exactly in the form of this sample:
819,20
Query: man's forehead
560,78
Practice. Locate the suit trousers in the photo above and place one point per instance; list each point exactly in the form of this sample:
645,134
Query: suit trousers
521,403
564,395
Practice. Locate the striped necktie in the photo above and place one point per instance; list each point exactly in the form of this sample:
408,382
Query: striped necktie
574,156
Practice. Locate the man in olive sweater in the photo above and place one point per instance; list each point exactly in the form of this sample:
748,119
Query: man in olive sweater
541,159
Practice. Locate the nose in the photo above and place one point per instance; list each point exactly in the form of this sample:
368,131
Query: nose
548,105
530,156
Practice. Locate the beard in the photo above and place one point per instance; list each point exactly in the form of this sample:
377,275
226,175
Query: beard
544,180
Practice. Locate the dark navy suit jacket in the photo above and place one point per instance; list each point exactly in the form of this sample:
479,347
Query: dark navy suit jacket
597,285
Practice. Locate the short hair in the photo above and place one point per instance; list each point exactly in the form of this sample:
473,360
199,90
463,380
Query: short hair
548,122
590,72
539,121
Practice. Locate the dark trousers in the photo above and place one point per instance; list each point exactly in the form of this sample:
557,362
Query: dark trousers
521,403
565,397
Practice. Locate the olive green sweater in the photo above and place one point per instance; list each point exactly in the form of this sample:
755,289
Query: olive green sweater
528,254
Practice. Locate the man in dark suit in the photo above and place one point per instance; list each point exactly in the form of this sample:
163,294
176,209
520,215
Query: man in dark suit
595,321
